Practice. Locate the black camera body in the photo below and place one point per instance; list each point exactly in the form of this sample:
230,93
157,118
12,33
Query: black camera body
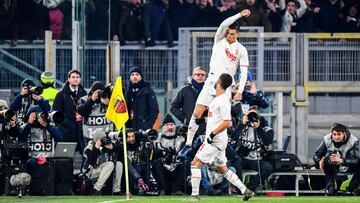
6,115
150,134
253,117
37,90
105,141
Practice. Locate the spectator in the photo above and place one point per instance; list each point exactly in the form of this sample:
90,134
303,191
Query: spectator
205,13
253,139
47,82
328,18
156,19
97,20
129,23
225,9
258,16
252,96
182,13
169,172
339,152
100,155
291,14
39,132
351,22
93,108
56,17
33,19
22,102
9,20
67,101
141,102
183,105
274,15
307,22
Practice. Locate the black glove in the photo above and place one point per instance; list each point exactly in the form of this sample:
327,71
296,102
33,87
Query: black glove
210,139
199,121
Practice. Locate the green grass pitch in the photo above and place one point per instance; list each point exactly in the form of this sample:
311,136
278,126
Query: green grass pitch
173,199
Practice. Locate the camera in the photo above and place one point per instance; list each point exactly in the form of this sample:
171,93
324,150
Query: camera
151,134
6,115
55,116
37,90
183,130
105,141
253,117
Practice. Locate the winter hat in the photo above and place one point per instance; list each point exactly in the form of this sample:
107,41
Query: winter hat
249,76
47,77
168,119
97,85
3,103
136,69
27,82
98,134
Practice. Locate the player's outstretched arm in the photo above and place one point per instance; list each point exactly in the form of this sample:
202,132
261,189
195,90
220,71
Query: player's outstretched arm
220,32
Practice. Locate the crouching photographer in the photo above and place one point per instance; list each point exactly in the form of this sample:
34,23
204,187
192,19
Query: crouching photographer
339,152
253,139
168,171
101,161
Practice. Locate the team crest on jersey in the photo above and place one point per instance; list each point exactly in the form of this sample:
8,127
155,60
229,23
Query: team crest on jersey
230,55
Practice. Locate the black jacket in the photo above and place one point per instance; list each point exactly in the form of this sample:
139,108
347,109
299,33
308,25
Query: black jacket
63,102
183,105
142,106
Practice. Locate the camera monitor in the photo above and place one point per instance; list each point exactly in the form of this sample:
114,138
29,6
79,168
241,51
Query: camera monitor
65,149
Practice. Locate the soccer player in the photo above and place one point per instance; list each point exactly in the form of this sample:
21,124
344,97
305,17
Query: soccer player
227,54
212,151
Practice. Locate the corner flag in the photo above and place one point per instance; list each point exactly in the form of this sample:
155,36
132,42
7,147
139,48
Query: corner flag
117,111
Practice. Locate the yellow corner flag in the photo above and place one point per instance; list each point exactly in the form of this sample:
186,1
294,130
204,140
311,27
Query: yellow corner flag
117,111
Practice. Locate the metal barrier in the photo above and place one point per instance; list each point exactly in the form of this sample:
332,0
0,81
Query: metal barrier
332,62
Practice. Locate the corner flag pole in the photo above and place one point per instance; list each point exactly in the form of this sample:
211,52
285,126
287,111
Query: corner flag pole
126,164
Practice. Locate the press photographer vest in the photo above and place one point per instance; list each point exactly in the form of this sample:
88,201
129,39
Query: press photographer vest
344,148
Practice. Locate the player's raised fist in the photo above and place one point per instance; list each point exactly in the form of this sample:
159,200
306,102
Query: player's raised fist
245,13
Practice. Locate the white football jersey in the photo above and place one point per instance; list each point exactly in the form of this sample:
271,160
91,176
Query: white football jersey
219,111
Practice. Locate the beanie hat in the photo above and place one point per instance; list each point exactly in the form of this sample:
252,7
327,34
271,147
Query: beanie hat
47,77
136,69
168,119
3,103
97,85
249,76
98,133
27,82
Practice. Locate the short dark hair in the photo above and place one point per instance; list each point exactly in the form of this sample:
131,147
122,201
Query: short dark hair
339,128
74,71
225,80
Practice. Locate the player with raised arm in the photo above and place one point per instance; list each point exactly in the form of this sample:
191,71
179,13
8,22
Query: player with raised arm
227,55
212,151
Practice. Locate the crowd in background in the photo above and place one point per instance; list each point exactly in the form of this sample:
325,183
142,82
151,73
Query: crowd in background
153,20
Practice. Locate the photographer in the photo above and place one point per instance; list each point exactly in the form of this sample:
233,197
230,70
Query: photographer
39,131
93,108
253,139
101,160
168,171
29,95
140,149
339,152
9,131
252,96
